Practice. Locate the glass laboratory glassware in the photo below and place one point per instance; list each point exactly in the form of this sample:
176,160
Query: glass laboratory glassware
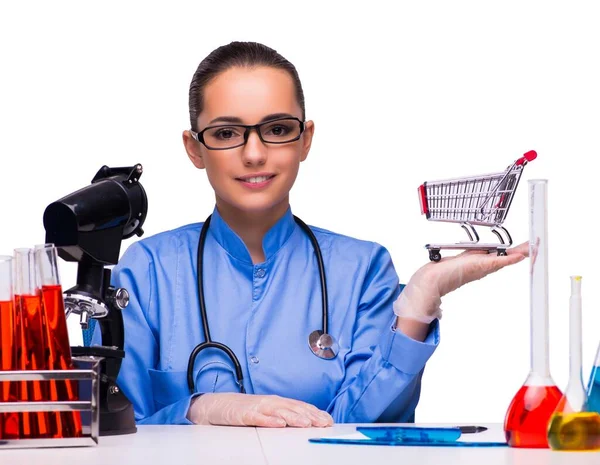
572,426
529,412
30,346
58,349
594,385
9,422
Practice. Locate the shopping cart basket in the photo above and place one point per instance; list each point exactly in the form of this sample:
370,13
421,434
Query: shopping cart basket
474,201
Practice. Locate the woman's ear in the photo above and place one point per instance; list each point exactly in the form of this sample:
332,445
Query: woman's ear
193,149
309,131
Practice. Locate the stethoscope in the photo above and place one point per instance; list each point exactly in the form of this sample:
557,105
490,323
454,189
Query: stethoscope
322,344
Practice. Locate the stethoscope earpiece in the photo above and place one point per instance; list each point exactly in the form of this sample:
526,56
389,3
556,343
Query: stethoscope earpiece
323,345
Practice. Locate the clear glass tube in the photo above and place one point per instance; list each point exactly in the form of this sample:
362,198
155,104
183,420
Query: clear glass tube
575,397
24,282
6,278
46,257
575,393
538,252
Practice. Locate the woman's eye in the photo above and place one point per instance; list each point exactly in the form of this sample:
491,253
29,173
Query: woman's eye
278,130
225,133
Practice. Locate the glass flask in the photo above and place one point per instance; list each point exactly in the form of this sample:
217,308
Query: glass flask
572,426
58,349
594,385
529,412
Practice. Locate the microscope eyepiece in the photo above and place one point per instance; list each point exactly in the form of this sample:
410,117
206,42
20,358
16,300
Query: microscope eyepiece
91,223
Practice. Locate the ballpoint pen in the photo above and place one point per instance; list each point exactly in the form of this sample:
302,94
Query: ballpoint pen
471,429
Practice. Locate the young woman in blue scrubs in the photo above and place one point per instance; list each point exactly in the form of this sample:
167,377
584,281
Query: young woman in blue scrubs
261,280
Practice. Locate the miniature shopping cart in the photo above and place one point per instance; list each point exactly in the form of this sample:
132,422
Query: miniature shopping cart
474,201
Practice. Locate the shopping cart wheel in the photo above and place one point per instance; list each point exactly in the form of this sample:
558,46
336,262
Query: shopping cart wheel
502,252
434,255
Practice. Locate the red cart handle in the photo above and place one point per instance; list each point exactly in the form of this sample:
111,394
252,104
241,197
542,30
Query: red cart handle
527,157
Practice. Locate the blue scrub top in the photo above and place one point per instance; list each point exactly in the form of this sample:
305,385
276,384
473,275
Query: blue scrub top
264,313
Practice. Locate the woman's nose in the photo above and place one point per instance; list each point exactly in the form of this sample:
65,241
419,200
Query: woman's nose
255,151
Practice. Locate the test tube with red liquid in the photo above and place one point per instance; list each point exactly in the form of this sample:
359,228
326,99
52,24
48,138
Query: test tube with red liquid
30,342
9,422
62,424
529,413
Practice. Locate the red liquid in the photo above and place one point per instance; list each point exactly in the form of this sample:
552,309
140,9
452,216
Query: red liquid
26,427
31,312
9,422
63,424
527,418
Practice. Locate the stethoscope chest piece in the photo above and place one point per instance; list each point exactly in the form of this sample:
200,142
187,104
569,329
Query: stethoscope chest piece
323,345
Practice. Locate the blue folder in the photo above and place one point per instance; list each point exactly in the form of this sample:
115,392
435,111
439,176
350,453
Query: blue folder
408,436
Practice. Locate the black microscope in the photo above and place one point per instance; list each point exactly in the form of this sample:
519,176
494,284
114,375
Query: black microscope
87,227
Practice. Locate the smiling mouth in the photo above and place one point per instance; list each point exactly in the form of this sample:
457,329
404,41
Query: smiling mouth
256,179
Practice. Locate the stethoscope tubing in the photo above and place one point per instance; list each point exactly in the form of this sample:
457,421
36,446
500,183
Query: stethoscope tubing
208,342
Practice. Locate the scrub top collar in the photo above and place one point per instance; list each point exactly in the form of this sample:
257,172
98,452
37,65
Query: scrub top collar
233,244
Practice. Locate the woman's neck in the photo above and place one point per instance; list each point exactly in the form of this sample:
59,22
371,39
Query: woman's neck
252,226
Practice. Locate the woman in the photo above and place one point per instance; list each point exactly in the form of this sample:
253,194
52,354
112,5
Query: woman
261,282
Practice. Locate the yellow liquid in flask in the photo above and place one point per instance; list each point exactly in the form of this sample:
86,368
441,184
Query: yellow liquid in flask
574,431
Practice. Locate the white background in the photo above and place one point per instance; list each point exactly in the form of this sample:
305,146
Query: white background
400,92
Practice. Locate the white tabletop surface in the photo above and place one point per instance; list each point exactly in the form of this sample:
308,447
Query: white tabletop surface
199,445
164,445
291,447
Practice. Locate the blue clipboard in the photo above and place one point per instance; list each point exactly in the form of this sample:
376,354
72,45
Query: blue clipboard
408,436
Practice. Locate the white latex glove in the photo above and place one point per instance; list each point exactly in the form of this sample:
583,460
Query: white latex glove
421,298
234,409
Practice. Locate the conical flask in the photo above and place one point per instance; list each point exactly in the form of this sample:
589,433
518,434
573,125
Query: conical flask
572,426
529,413
594,385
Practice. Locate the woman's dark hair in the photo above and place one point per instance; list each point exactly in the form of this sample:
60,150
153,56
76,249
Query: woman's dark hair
237,54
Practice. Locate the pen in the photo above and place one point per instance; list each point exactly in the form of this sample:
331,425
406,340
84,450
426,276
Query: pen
471,429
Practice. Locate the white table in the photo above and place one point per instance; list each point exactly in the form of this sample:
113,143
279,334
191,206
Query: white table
200,445
160,445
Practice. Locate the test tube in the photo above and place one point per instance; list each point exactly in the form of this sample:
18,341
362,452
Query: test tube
30,348
9,422
63,424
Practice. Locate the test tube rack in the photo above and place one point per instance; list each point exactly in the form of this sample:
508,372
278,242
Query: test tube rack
88,370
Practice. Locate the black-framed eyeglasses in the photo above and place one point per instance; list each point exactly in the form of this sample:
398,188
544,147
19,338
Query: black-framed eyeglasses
229,136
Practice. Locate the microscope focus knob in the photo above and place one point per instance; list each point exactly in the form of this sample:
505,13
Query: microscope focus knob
118,297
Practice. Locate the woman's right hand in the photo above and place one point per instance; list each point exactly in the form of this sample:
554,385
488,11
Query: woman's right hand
232,409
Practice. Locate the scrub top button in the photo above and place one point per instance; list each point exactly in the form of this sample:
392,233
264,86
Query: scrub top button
254,359
260,273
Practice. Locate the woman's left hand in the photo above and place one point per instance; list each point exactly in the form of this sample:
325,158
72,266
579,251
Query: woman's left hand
421,298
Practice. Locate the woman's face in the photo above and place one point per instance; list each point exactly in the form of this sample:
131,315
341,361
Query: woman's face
255,177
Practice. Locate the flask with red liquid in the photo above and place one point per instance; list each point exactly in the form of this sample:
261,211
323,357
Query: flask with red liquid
9,422
58,348
529,413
